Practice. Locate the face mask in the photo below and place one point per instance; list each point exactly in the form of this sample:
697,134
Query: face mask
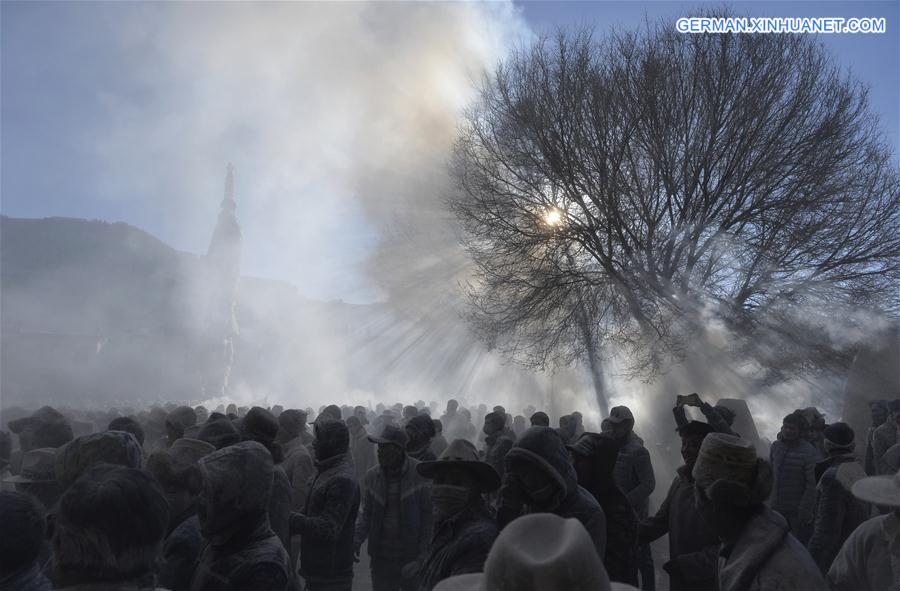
545,497
449,499
389,456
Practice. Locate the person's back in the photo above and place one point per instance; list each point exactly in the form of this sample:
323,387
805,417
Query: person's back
23,523
767,556
108,531
838,512
594,457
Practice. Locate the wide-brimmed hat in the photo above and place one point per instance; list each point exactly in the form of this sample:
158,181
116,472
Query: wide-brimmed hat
462,454
620,414
538,552
879,490
38,466
391,434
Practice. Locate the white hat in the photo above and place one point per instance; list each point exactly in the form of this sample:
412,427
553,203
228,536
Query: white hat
539,552
879,490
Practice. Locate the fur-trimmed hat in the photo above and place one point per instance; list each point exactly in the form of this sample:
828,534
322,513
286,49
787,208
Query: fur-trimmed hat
729,472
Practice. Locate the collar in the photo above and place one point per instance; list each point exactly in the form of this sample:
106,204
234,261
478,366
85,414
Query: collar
890,527
685,474
331,462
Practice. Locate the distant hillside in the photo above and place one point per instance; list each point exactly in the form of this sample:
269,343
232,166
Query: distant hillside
104,313
88,277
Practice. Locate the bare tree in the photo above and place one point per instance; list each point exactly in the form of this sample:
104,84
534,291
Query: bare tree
634,190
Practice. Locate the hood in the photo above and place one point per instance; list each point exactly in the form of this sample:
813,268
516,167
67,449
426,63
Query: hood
543,447
107,447
243,471
759,541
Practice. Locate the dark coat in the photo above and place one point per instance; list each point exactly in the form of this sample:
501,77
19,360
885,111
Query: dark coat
299,467
495,450
460,546
634,474
794,492
883,438
180,553
280,506
838,512
326,525
693,546
256,561
415,511
621,558
543,447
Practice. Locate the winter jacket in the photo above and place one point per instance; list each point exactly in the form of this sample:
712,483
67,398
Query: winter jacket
181,550
495,449
621,556
415,511
693,546
794,492
327,522
870,452
544,448
299,469
883,439
438,445
634,474
460,546
280,506
838,512
27,579
767,557
254,561
866,561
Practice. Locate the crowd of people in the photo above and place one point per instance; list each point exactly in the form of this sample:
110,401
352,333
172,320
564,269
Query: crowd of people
190,499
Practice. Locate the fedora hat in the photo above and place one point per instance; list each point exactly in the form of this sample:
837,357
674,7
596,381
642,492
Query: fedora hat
391,434
879,490
461,454
38,465
620,414
539,552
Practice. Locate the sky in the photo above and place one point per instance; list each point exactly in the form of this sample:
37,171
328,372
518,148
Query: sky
337,117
